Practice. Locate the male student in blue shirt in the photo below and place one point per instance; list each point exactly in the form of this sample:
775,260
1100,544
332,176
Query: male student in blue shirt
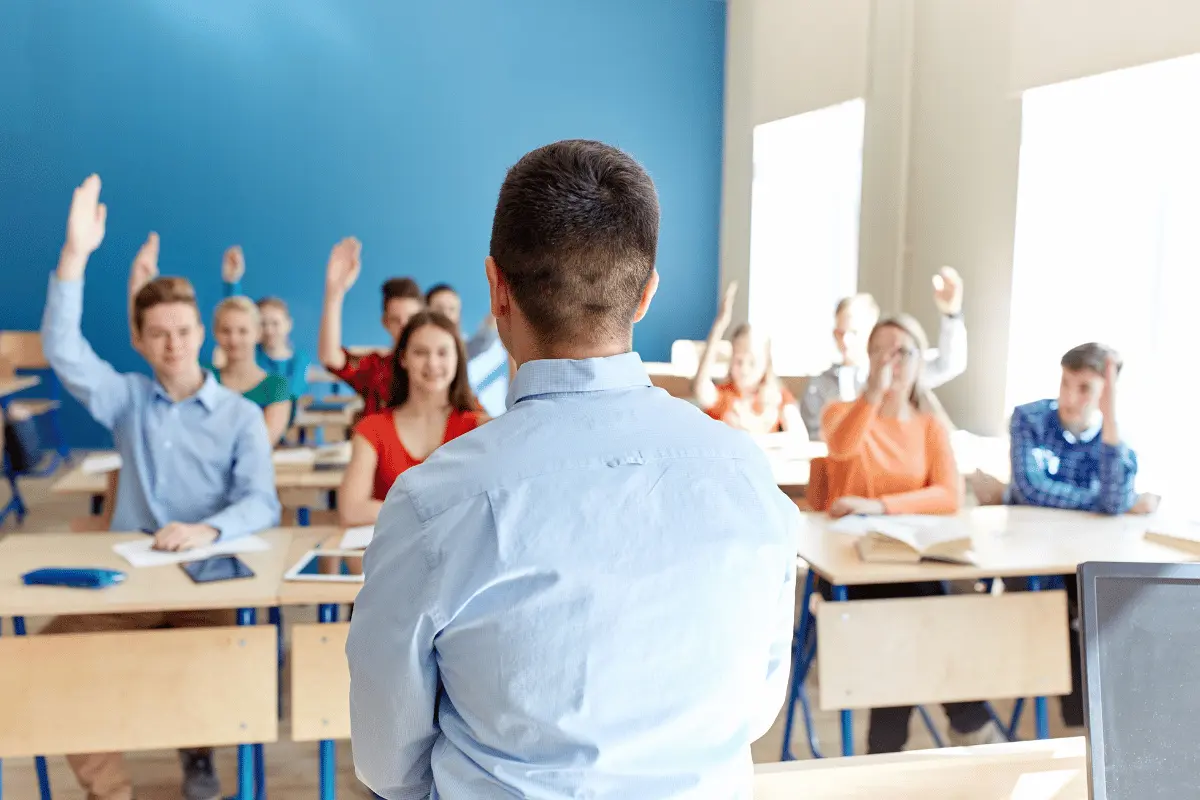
1068,453
196,463
591,595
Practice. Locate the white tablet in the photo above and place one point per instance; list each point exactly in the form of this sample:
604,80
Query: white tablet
341,566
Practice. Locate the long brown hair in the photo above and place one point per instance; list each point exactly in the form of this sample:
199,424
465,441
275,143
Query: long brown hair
461,396
922,397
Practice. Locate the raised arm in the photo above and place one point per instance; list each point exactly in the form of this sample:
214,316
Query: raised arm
1118,464
845,425
253,501
703,387
233,269
356,502
103,391
143,270
950,359
393,668
345,262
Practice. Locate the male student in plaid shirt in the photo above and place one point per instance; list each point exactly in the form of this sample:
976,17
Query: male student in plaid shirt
1068,453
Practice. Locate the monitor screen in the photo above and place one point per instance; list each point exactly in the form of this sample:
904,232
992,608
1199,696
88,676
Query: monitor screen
1142,639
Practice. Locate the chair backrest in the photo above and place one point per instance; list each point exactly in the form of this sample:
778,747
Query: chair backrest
22,350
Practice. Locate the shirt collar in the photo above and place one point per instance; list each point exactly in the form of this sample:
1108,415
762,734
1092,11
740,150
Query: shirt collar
563,376
206,396
1083,438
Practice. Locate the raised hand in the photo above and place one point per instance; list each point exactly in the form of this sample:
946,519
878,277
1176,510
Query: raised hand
85,228
725,310
948,291
882,375
233,265
345,262
145,264
1109,433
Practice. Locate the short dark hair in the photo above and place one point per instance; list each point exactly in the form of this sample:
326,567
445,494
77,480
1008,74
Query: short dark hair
575,236
401,288
461,396
1093,356
437,289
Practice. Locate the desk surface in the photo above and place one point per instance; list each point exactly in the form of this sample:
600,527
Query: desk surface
1009,541
18,383
1053,769
76,481
165,588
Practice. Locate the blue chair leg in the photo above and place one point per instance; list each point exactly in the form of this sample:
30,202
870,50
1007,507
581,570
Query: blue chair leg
1011,729
998,722
933,731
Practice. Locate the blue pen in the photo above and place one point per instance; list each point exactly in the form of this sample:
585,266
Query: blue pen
147,531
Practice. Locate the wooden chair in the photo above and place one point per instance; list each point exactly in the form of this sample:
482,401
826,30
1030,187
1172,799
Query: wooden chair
21,351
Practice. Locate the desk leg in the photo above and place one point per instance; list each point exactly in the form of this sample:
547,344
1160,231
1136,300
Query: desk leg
801,661
1041,713
247,789
39,762
840,596
97,505
302,516
328,612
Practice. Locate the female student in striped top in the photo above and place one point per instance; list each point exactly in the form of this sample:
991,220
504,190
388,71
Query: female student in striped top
890,453
431,403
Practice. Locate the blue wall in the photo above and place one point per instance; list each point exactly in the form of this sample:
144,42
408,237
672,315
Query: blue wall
285,126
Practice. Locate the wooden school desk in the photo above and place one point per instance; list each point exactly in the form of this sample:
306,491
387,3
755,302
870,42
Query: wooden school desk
1053,769
137,690
879,653
17,383
320,673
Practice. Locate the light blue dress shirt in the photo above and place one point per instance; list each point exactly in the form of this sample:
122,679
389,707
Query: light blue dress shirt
204,459
590,596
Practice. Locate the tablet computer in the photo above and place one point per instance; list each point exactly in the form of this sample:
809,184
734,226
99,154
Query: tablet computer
343,566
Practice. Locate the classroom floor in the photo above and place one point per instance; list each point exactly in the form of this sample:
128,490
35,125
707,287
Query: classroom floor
292,768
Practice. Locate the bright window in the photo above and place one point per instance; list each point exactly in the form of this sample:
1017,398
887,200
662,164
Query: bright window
1108,249
804,230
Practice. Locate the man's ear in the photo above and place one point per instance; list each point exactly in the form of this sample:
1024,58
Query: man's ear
501,300
647,296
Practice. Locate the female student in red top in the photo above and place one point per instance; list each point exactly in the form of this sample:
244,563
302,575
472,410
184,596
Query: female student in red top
431,403
889,453
752,399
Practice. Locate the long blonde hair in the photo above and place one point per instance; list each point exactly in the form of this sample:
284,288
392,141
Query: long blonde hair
922,397
238,303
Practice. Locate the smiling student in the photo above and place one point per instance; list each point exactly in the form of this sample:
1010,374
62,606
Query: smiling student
431,404
196,461
487,360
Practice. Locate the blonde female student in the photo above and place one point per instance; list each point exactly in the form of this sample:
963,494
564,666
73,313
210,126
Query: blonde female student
752,398
237,328
431,403
889,453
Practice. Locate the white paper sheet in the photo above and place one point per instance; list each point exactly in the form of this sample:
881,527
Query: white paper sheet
140,552
99,463
294,456
357,538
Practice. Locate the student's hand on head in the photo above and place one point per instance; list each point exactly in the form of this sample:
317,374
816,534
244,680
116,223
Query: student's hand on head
1108,395
948,291
846,506
145,264
345,262
176,536
725,311
85,227
233,265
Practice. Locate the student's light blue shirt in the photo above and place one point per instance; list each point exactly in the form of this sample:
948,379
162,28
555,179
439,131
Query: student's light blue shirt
590,596
204,459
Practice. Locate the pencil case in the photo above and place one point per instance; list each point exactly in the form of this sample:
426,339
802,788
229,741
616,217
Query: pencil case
74,577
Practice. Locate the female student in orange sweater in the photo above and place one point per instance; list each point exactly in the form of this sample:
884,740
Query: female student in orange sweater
752,398
431,403
889,453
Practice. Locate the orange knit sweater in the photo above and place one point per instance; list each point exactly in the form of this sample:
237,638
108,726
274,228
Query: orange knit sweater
908,465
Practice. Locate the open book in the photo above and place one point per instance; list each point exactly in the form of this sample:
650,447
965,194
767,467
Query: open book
911,540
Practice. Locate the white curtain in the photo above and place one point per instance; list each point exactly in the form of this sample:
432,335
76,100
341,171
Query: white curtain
1108,249
804,230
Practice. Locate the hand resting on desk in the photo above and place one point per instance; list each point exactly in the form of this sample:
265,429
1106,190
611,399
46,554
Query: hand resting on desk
177,536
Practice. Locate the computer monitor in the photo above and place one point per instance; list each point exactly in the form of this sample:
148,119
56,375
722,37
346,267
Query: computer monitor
1141,679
